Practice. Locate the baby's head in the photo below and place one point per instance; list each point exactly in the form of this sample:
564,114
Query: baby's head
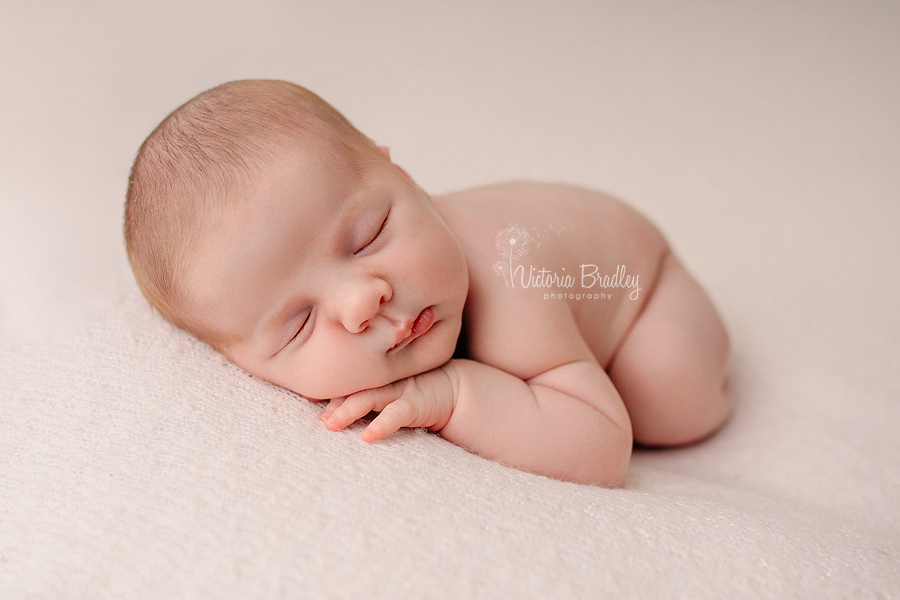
261,221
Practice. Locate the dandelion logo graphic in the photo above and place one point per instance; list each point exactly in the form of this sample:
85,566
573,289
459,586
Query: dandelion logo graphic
513,242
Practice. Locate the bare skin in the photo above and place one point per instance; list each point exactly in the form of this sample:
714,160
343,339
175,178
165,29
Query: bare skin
661,356
665,351
366,314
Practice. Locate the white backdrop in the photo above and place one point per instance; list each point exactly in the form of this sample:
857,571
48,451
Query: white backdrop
762,137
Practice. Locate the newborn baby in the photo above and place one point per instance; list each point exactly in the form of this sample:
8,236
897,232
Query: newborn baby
543,326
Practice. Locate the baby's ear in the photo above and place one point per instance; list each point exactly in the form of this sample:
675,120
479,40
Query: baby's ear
387,154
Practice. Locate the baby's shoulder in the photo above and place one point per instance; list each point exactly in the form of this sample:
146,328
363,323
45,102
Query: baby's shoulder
525,244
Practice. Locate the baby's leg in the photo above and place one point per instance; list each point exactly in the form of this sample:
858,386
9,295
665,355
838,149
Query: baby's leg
671,368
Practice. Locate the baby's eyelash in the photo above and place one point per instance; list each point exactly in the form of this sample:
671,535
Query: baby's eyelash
299,329
377,235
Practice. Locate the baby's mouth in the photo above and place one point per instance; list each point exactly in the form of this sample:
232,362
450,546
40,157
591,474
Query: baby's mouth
420,326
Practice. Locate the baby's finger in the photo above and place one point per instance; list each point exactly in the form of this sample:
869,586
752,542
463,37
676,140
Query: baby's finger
351,408
378,398
331,407
398,414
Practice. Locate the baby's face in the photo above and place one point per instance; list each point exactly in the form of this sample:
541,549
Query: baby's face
333,283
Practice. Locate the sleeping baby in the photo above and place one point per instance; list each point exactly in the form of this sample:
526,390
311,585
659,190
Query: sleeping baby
543,326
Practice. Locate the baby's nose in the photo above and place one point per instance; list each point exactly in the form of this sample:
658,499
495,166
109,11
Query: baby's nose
363,303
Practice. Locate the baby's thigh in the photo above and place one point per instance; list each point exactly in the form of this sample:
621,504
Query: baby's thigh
671,369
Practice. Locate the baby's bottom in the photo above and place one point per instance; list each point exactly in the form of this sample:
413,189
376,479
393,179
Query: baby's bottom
671,369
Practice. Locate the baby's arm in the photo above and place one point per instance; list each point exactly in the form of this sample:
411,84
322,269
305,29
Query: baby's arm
568,422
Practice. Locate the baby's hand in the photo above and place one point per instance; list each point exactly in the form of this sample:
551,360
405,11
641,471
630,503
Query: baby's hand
425,400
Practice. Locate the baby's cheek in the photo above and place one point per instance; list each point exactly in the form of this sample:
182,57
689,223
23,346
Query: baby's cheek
438,350
339,380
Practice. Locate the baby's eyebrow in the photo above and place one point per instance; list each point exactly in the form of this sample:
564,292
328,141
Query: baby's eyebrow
354,207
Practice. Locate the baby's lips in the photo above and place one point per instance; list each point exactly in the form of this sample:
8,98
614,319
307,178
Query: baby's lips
420,326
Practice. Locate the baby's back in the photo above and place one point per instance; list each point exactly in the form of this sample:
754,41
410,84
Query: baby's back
538,252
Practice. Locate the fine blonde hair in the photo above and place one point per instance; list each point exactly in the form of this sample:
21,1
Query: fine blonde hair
193,167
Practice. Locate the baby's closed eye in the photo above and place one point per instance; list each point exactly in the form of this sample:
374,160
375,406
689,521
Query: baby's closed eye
295,328
377,234
300,328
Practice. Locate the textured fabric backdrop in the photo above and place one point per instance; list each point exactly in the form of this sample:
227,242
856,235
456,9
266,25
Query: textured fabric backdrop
763,139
